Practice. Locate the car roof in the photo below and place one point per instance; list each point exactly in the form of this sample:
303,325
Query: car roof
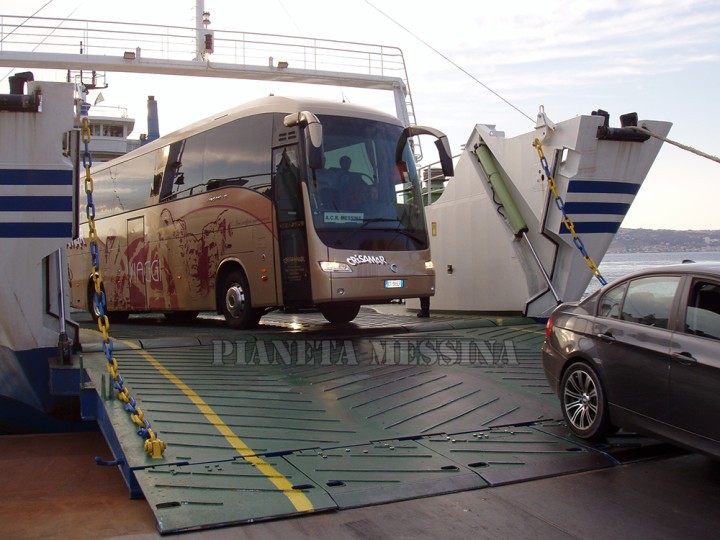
701,268
689,267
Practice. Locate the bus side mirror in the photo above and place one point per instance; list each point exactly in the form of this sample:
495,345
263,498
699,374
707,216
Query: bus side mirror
441,143
446,163
312,129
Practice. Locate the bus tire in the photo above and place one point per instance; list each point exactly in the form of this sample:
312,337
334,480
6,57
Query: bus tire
181,317
113,316
236,303
340,312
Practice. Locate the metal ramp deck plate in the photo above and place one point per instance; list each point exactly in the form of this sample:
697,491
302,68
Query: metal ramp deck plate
204,495
252,436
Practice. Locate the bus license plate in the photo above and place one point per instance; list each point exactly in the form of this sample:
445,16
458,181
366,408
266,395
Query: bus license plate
394,283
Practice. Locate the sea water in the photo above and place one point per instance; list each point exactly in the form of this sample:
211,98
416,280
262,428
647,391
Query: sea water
616,265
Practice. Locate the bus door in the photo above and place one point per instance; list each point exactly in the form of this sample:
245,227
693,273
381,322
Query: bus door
137,267
292,237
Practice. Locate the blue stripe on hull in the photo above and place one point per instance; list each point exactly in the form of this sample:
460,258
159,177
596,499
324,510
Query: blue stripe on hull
35,177
573,208
591,227
43,203
600,186
36,230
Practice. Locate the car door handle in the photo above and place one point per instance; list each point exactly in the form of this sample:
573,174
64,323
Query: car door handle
685,358
607,337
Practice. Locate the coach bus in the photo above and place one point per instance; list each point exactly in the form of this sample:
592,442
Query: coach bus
277,203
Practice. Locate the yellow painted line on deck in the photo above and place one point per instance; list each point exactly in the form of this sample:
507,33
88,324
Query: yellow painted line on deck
538,332
297,498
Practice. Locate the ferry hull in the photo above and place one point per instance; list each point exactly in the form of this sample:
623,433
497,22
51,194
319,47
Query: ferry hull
37,216
484,263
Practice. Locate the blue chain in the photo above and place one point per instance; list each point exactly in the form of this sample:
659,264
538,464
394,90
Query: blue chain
566,219
153,445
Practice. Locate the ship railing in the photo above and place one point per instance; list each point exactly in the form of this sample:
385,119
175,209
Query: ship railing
93,37
110,111
288,58
433,181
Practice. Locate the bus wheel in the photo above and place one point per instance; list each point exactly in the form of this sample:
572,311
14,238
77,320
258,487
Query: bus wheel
340,312
181,317
113,316
235,302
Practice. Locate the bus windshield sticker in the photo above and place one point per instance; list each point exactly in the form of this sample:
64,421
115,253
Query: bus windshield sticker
344,217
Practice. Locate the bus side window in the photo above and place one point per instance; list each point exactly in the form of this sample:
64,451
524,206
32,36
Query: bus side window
161,157
186,165
238,154
104,194
130,180
233,154
172,168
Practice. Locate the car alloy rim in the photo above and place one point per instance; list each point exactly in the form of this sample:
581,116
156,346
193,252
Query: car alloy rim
581,399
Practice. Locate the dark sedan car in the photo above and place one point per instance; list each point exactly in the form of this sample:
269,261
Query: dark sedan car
643,354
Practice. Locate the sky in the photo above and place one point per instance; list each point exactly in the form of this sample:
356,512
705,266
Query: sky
659,58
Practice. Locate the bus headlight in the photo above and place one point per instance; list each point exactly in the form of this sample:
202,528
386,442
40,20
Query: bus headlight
429,265
335,266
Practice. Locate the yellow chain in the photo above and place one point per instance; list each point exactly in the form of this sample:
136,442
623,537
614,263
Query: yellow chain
153,446
567,220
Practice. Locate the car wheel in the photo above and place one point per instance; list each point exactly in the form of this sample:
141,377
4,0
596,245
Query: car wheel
583,403
235,303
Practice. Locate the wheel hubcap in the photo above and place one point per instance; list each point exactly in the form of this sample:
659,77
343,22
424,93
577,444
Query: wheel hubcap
96,306
235,300
581,400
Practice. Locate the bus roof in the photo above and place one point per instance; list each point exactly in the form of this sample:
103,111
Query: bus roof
269,104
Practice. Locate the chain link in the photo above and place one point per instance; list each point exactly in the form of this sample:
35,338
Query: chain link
566,219
153,446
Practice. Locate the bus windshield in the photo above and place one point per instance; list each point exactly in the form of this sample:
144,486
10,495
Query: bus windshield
361,199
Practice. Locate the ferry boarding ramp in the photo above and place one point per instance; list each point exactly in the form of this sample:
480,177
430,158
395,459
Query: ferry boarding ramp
294,417
297,418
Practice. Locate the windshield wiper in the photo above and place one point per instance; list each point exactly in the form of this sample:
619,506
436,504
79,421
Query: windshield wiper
413,234
366,222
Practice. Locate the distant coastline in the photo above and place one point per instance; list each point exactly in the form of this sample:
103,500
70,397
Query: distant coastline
664,241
